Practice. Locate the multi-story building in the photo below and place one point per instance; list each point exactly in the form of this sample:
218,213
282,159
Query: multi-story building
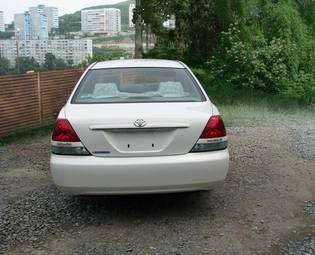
131,8
51,14
22,25
52,17
36,23
71,51
2,29
39,26
101,21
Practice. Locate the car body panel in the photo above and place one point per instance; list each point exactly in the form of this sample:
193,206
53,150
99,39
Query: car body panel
95,175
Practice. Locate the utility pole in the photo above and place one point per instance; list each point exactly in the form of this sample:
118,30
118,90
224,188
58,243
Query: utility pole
138,32
17,50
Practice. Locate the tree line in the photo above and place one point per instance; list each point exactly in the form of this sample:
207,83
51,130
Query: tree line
264,45
25,64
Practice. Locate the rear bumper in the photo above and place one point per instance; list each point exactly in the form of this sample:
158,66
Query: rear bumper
79,175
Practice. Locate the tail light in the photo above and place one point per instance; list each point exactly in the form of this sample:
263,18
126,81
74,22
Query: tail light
65,141
213,136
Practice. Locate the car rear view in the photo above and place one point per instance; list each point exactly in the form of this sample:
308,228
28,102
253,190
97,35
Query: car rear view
138,126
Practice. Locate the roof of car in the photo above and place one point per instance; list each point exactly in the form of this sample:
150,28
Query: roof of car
138,63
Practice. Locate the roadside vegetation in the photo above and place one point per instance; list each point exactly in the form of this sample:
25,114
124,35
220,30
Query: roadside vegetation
35,132
115,38
249,107
25,64
256,47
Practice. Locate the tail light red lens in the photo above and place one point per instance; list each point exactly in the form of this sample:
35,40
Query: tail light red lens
213,137
215,128
64,132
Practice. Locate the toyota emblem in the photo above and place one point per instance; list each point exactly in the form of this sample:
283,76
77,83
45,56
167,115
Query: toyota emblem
140,123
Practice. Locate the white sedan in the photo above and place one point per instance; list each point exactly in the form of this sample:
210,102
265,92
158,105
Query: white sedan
138,126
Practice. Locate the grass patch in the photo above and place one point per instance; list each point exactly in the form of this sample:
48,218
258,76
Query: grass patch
42,131
251,108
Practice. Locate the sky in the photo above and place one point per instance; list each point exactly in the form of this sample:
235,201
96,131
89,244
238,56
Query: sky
9,7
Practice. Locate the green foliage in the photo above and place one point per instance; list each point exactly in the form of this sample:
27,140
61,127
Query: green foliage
4,66
115,38
42,131
103,54
261,45
53,63
248,107
307,11
162,53
27,64
10,27
278,58
70,23
6,35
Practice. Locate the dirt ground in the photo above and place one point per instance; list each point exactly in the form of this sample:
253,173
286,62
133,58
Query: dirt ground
266,205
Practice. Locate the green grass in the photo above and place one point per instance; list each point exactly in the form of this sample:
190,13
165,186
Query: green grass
251,108
42,131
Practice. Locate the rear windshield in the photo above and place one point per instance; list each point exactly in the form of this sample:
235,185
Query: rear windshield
127,85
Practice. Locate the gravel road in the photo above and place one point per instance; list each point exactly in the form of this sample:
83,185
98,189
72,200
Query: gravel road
266,205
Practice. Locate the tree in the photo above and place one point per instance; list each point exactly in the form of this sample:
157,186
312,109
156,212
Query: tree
10,26
27,64
6,35
138,30
198,25
4,66
53,63
307,11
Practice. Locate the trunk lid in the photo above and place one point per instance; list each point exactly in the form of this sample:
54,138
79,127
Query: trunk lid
139,129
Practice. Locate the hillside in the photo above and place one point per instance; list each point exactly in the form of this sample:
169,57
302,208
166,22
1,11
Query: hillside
72,22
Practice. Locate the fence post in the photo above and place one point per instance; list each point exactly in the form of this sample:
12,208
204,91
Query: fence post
39,99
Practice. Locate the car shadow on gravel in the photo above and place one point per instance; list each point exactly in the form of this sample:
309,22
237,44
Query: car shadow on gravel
138,205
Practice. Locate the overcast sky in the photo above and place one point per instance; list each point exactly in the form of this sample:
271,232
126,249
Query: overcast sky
9,7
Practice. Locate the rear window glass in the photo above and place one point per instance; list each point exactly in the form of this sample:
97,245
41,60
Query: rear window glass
127,85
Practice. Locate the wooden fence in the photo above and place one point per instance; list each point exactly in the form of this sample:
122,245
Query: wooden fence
32,100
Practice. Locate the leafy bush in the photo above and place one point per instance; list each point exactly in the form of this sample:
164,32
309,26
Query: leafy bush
264,46
162,53
280,64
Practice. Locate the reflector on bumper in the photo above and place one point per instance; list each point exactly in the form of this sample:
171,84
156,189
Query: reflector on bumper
211,144
68,148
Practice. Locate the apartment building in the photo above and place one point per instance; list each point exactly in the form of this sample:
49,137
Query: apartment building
51,14
74,51
2,28
36,23
101,21
131,8
22,26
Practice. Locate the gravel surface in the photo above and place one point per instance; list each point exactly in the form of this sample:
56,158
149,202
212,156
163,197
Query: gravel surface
305,246
266,205
309,208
